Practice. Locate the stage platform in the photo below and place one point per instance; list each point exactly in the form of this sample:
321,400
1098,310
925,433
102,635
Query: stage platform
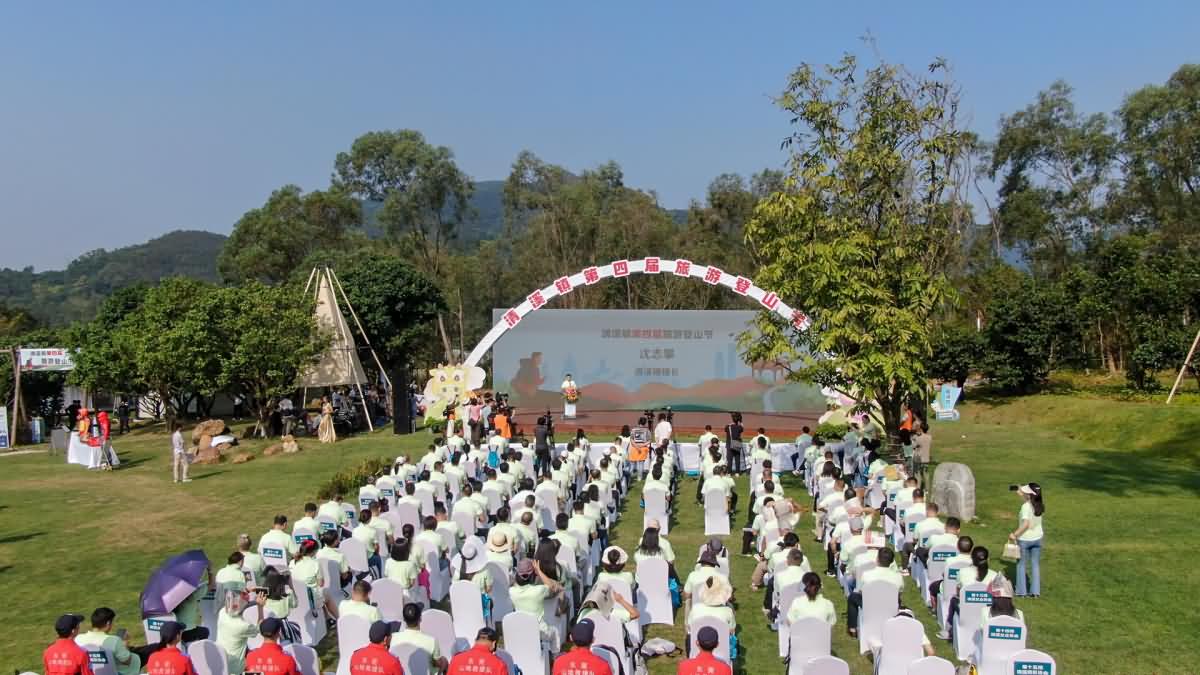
598,423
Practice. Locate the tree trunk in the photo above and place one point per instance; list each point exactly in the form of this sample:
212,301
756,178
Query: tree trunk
441,324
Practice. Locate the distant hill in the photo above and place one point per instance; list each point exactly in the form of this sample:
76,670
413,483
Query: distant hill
62,296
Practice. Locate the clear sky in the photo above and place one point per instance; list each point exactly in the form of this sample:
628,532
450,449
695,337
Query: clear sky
120,121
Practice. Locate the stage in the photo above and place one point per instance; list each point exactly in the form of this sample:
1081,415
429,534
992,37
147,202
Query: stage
598,424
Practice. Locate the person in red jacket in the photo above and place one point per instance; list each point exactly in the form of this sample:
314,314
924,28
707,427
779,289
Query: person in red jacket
270,659
63,656
480,659
375,659
581,660
170,660
705,663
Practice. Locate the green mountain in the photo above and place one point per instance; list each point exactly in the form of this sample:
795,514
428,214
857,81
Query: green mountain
62,296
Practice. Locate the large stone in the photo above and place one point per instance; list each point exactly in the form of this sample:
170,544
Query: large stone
274,449
208,428
289,444
954,490
242,458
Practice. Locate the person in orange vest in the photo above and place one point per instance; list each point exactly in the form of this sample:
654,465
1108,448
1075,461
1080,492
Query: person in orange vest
63,656
270,657
581,660
480,659
170,660
375,659
705,663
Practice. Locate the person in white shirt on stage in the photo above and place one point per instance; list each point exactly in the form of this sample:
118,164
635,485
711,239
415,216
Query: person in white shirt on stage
662,430
570,391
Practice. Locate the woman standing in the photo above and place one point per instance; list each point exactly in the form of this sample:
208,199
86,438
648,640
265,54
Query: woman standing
325,431
1029,537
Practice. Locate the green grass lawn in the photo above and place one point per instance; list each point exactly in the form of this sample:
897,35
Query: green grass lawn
1121,482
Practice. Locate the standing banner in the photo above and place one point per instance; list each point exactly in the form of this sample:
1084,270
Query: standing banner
4,444
40,360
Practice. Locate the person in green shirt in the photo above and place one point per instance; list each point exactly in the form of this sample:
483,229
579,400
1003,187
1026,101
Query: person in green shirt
251,561
309,521
412,635
278,538
100,635
233,631
333,509
530,597
279,600
231,577
400,567
307,571
359,603
329,551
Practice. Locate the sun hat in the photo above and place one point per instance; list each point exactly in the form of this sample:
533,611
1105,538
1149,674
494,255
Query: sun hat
472,557
715,591
1000,587
708,558
1027,490
601,597
498,541
622,556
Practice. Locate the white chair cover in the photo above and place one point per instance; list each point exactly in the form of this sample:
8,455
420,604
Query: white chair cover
466,522
999,639
808,638
826,665
353,633
207,658
439,579
654,594
306,615
406,514
493,500
523,639
274,557
307,661
880,602
972,598
722,628
716,514
326,524
785,596
356,554
931,665
501,601
331,579
656,509
900,646
413,659
103,662
389,596
1031,662
466,609
151,625
439,625
609,633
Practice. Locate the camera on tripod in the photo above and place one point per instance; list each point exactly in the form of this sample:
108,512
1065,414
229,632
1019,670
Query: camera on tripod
651,414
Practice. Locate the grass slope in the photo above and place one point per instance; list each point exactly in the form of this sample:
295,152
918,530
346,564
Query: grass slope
1121,481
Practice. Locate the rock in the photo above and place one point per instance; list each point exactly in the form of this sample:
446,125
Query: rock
208,428
276,449
289,444
954,490
242,458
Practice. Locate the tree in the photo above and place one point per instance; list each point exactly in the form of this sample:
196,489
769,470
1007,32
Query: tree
424,194
873,207
268,243
1028,324
269,337
956,352
103,358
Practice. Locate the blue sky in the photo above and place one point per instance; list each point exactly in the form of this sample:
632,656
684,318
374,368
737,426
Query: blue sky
122,121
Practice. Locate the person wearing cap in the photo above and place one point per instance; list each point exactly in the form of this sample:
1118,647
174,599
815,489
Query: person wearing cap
705,663
270,657
706,567
412,635
359,603
375,658
170,660
1029,537
712,599
480,659
64,656
233,631
530,597
581,660
100,635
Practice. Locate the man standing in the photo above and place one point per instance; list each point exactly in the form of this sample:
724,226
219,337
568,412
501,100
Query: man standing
180,454
123,416
733,443
662,431
581,660
375,658
705,663
922,443
63,656
480,659
541,446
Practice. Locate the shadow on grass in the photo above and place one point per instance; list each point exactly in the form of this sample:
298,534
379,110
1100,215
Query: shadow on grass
210,474
14,538
1170,465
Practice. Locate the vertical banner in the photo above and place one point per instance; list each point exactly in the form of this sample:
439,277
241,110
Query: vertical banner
4,444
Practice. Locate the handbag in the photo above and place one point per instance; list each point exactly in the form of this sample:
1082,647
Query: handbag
1011,551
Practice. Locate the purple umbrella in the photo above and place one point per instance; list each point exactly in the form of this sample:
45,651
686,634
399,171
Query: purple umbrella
173,582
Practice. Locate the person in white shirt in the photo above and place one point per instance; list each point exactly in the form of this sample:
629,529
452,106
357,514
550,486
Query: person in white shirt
181,458
333,509
308,522
803,443
1029,537
706,438
278,539
662,430
882,572
812,603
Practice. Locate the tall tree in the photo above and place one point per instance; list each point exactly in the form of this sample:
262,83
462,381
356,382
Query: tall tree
424,194
269,242
859,238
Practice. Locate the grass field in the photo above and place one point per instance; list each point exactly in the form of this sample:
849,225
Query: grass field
1121,479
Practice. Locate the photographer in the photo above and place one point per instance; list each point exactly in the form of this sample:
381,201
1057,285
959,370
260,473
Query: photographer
543,439
733,443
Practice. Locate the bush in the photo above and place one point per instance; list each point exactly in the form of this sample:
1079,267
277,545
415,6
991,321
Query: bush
349,481
829,431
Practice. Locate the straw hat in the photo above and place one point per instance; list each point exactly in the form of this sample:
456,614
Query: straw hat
715,592
498,541
601,597
472,557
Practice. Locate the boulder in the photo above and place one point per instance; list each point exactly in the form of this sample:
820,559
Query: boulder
242,458
289,444
954,490
208,428
276,449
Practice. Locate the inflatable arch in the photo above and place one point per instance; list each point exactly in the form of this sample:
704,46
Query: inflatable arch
617,269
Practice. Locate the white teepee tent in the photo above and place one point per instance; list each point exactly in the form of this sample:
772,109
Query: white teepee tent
339,365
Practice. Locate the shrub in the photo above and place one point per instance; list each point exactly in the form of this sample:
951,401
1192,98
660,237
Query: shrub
830,431
348,481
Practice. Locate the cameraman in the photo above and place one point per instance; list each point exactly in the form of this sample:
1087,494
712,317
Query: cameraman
733,443
543,438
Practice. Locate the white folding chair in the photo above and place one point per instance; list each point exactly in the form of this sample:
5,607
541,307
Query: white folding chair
523,639
880,602
931,665
716,513
826,665
353,633
440,626
389,596
900,646
1031,662
413,659
103,662
466,609
654,594
307,661
722,628
972,598
207,658
439,579
784,597
808,638
501,600
609,633
309,617
1000,638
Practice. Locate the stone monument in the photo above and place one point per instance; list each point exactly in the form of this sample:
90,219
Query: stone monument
954,490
